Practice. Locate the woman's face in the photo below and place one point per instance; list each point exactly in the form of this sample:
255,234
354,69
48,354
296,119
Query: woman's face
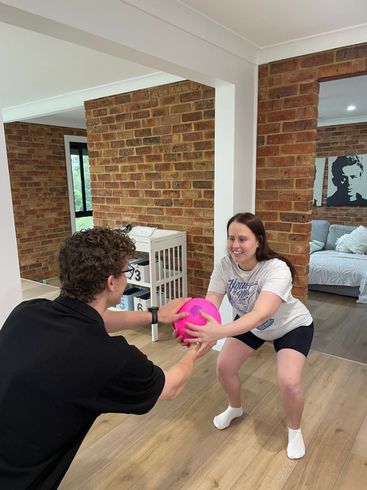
242,245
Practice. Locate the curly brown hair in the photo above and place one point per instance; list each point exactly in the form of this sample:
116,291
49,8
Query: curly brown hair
88,257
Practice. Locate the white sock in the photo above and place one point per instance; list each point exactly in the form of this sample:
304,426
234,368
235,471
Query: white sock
224,419
296,446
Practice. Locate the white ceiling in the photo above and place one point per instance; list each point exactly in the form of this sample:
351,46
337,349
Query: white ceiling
40,67
266,23
38,71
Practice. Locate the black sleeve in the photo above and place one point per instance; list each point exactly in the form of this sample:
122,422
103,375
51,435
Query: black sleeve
135,388
17,310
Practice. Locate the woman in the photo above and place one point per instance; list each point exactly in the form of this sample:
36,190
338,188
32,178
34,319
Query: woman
258,284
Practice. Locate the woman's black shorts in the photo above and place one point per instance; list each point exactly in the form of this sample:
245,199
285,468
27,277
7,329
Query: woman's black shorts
299,339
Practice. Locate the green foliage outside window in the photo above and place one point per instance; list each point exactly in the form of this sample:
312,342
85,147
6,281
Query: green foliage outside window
80,163
84,223
77,183
88,191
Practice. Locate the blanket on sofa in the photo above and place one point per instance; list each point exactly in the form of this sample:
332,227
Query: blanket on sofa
343,269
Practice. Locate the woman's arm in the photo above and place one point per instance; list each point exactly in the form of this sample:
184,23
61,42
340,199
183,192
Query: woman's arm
215,298
265,307
115,321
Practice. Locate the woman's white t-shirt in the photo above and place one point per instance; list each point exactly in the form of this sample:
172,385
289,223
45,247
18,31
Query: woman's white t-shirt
243,288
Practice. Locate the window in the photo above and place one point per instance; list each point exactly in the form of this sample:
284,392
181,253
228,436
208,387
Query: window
80,196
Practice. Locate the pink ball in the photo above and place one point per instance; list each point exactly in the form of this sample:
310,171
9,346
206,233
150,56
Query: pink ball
193,307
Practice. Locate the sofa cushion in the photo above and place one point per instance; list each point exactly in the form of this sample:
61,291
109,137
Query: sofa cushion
357,240
319,230
342,243
335,232
315,246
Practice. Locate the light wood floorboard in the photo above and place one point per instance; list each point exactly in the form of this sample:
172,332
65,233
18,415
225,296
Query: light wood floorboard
175,446
340,325
32,289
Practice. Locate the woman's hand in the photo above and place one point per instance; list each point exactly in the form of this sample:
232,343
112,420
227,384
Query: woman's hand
204,334
201,348
168,312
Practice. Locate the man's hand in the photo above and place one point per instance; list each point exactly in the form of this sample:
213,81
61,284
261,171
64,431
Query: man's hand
168,312
202,349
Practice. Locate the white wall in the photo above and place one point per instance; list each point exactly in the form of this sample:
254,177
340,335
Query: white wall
10,290
235,172
124,31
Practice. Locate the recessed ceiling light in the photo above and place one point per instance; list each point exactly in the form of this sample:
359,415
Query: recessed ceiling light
351,108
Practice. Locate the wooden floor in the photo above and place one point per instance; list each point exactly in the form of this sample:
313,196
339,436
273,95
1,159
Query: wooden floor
175,446
340,326
33,289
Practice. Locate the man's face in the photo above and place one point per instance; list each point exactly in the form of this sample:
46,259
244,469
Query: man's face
349,180
120,283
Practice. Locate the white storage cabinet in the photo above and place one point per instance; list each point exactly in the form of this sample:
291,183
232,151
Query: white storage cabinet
165,273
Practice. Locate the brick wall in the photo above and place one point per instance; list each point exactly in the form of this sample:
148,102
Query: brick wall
39,188
151,153
287,131
344,139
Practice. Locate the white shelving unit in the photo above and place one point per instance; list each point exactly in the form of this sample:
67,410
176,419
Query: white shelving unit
166,275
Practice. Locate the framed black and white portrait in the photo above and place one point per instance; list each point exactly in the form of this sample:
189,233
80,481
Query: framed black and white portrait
347,180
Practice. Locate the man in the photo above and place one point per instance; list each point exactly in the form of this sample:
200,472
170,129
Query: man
347,173
60,369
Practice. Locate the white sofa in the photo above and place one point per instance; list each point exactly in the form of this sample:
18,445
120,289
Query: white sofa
334,271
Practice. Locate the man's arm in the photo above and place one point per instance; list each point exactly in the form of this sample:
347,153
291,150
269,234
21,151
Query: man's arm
115,321
124,320
180,373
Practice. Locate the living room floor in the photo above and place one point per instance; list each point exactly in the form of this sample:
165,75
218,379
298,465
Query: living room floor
249,454
340,325
33,289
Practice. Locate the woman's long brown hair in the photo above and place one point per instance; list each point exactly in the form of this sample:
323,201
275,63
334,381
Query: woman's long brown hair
263,252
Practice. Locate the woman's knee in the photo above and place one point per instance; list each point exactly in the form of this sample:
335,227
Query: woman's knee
289,385
225,368
232,357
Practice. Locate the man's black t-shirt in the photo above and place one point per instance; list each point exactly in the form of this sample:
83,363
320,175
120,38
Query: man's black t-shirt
59,370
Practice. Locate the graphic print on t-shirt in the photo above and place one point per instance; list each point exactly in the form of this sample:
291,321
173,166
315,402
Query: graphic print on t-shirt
265,325
243,296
